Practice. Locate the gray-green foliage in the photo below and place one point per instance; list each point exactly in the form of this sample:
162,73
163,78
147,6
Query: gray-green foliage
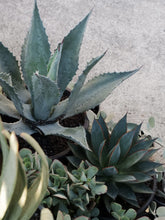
74,192
120,214
38,105
17,200
157,212
123,159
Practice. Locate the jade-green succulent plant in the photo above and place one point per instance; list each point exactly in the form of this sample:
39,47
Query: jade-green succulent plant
123,159
33,91
74,192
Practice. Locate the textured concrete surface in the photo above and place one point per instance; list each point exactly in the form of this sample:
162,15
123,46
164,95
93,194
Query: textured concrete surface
132,31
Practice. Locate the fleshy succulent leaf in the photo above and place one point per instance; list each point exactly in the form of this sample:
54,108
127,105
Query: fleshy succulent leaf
105,128
80,83
132,159
9,90
141,188
110,171
75,134
145,166
122,178
142,144
119,130
113,190
96,90
9,65
45,95
97,136
78,151
114,155
53,64
126,143
70,54
36,50
7,107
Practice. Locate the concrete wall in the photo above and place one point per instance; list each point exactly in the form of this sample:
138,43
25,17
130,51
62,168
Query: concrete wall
132,31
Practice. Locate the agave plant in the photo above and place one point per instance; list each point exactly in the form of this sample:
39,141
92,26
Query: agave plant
123,159
34,98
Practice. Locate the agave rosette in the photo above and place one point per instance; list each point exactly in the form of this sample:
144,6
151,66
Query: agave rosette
123,159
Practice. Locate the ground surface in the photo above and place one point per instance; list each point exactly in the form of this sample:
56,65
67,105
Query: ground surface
132,31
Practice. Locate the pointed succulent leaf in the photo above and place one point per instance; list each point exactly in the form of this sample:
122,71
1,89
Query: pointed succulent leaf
80,83
132,159
141,177
119,130
45,95
74,161
76,134
96,90
103,153
9,90
110,171
18,127
7,107
70,54
142,145
125,143
136,134
9,65
93,158
78,151
53,64
4,147
91,172
122,178
104,127
126,192
114,155
36,50
141,188
145,166
149,154
97,136
113,190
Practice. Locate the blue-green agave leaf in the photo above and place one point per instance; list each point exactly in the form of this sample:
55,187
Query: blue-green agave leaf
9,65
76,134
53,64
80,83
114,155
126,192
136,134
141,188
10,91
125,143
103,153
122,178
78,151
149,154
119,130
104,127
132,159
36,50
141,177
141,145
97,89
18,127
7,107
145,166
70,54
110,171
97,136
45,95
113,190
